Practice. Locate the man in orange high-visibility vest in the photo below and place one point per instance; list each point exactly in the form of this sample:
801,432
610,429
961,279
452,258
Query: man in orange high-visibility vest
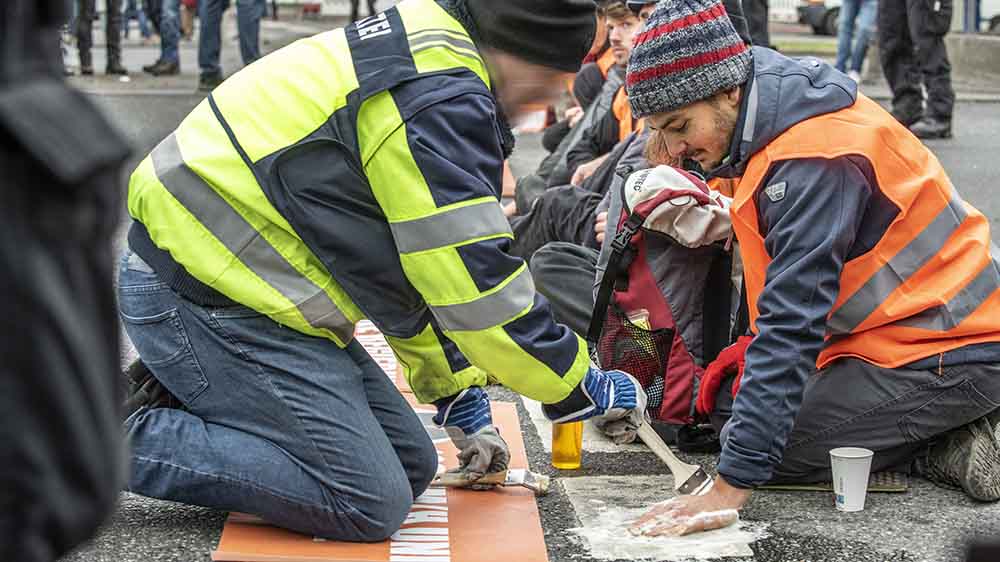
873,288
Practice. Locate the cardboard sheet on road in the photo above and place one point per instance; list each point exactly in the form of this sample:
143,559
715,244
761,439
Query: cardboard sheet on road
444,525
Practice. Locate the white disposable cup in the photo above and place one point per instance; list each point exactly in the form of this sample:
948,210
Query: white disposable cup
851,466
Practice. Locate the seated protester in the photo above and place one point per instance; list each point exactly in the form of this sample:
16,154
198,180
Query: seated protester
587,86
871,284
598,139
567,213
621,25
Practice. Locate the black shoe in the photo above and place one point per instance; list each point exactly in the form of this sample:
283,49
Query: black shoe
907,118
115,68
87,70
966,458
145,391
931,128
165,68
209,82
149,67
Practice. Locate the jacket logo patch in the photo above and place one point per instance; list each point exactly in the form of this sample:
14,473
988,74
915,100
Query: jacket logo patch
776,191
373,26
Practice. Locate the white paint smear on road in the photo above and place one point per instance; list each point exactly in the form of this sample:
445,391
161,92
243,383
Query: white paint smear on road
608,538
606,505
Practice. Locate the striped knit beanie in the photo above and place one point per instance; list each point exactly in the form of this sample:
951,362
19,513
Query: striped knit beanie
687,52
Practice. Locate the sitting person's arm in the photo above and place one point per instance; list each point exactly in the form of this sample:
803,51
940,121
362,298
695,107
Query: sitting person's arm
597,141
584,171
555,133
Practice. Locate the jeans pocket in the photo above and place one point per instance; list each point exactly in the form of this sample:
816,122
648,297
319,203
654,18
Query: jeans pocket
952,407
163,345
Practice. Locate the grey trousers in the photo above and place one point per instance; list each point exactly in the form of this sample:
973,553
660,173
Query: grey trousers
564,273
895,412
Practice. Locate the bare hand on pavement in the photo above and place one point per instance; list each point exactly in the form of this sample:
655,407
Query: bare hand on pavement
684,515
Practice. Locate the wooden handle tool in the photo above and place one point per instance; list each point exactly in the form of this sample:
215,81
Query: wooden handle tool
537,483
689,479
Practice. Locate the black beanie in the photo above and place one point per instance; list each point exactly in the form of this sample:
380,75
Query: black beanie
552,33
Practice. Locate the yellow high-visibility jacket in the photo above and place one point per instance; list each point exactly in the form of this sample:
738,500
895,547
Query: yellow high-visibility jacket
356,174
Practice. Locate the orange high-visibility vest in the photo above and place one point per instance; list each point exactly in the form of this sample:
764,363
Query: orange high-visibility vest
605,62
932,282
623,113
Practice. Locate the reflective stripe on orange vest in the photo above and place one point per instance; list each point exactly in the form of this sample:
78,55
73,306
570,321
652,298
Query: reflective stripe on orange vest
932,282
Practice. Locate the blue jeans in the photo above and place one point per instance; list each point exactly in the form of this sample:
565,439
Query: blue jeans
248,14
133,10
276,423
862,13
170,30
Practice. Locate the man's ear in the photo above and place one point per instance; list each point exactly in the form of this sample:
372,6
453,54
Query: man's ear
731,97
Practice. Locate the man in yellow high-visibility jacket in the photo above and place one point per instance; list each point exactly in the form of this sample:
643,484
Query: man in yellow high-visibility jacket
351,175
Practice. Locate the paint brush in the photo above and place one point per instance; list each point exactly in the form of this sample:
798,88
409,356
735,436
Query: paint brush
689,479
537,483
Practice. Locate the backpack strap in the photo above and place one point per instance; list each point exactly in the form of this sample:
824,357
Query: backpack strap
619,246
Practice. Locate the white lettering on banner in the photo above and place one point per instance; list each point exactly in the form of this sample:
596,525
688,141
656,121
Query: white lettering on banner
421,548
374,26
426,517
417,541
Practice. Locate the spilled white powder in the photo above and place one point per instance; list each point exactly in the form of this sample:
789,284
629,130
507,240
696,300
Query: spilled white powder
605,535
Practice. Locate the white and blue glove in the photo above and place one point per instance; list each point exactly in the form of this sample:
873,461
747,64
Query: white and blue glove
467,419
613,399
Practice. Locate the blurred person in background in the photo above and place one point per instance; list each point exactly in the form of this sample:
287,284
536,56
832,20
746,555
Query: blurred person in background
85,36
188,10
356,9
757,14
248,14
168,20
858,14
914,59
61,461
135,11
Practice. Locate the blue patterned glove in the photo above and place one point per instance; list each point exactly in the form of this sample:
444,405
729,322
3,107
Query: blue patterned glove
614,399
467,419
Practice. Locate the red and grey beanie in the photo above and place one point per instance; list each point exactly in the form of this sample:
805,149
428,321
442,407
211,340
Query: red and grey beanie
688,51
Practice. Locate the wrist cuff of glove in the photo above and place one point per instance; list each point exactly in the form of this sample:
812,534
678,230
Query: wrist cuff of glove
576,406
597,392
468,410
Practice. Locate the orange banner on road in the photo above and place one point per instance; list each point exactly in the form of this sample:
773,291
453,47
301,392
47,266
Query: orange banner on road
444,525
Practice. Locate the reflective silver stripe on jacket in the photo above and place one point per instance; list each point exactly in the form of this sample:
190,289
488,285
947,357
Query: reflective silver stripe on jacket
491,310
245,242
450,227
427,38
945,317
901,267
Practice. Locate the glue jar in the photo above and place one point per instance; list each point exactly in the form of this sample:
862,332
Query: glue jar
567,445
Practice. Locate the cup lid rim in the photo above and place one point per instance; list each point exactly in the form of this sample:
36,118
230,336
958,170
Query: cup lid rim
851,452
